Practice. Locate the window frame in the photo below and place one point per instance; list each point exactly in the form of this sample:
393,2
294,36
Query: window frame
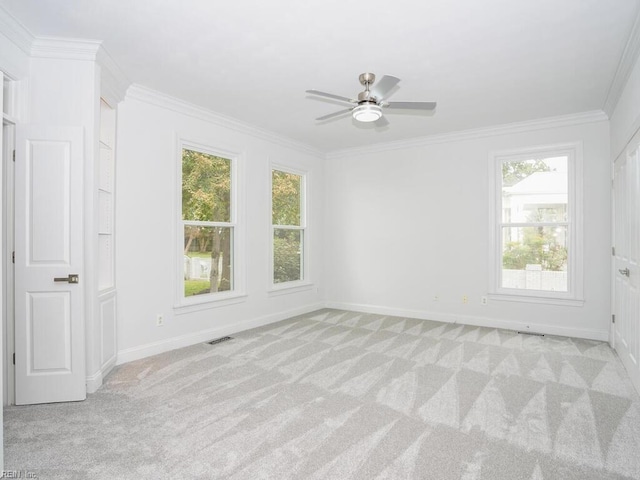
237,293
574,296
304,282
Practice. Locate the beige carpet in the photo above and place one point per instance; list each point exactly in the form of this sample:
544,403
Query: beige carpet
341,395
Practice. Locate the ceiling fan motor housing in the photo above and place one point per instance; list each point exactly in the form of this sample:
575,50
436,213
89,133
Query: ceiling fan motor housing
365,97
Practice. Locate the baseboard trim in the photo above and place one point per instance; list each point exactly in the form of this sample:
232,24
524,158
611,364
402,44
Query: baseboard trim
586,333
94,382
143,351
150,349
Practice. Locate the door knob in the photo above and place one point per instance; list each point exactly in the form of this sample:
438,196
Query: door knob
72,278
624,271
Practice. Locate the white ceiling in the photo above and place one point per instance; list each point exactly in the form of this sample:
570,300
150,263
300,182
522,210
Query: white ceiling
486,62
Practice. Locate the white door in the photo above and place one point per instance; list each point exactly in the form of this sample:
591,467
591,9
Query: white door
626,273
49,323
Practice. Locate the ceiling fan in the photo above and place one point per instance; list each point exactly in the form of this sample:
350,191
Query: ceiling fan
368,107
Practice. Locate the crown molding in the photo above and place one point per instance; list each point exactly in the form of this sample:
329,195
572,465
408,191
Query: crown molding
15,31
64,48
153,97
625,66
507,129
113,81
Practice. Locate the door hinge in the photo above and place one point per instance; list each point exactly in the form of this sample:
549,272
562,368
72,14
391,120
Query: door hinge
14,155
613,251
14,358
613,319
13,257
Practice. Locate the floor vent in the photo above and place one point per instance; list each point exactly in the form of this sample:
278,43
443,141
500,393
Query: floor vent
219,340
532,333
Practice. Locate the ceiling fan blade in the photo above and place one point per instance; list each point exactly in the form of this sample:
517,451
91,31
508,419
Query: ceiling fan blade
412,105
334,114
331,95
381,88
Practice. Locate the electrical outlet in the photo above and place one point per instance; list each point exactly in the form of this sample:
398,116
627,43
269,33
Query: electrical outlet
484,300
159,320
465,299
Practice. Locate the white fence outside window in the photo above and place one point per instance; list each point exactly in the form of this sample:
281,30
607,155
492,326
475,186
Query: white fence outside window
534,278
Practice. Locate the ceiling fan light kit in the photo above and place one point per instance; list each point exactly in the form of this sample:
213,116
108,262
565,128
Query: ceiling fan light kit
367,112
368,107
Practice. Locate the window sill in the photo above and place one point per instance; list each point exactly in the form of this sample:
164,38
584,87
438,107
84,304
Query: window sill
289,287
542,300
205,304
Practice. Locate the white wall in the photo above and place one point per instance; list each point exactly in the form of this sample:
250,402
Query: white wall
405,224
146,226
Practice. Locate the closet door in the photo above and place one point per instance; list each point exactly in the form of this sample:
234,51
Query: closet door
49,320
626,271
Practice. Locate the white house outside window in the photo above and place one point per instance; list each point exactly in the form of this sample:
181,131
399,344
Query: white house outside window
537,233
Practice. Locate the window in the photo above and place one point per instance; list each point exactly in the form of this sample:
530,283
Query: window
537,247
288,227
208,225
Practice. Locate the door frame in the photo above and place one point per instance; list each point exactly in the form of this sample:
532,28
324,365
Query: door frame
13,109
612,288
8,246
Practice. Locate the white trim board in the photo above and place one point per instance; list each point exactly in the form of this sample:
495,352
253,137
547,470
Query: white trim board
113,81
143,351
506,129
590,334
65,48
150,349
625,66
94,382
15,31
153,97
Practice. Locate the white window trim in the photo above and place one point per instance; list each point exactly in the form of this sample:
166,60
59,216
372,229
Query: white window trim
238,294
575,294
275,289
